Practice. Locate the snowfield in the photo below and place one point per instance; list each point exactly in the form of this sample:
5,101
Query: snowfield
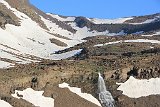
35,97
135,88
4,104
31,43
78,91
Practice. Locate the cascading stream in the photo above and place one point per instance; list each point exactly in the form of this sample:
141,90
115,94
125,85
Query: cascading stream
105,96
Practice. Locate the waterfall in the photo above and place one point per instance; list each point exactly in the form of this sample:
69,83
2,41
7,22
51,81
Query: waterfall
105,96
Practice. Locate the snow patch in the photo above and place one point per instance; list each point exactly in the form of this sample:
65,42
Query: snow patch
35,97
77,91
135,88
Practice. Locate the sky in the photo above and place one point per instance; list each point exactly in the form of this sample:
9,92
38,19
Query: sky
99,8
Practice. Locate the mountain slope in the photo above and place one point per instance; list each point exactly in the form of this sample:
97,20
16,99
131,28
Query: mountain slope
30,35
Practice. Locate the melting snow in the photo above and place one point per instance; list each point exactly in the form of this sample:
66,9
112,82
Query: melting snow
135,88
35,97
77,91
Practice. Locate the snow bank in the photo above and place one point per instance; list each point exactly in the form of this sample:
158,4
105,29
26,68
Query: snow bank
4,104
144,41
35,97
77,91
135,88
130,41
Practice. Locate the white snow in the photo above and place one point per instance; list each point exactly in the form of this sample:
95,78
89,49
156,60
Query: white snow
4,104
127,41
109,21
35,97
135,88
144,41
4,64
77,91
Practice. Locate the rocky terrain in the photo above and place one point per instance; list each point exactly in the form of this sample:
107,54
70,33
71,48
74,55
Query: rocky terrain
41,51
